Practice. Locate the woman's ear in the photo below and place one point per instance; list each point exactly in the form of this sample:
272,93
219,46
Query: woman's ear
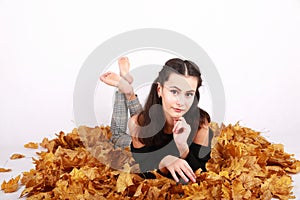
159,89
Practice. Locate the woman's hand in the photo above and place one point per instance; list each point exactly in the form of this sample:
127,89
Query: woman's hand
181,132
177,165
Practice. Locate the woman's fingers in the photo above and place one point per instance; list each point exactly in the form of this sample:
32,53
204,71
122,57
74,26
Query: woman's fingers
179,125
189,172
174,175
182,175
176,127
184,171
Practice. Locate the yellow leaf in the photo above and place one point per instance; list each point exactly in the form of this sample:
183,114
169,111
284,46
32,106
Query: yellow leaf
11,185
31,145
124,180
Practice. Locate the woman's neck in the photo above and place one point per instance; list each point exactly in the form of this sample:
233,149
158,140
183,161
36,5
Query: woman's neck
168,128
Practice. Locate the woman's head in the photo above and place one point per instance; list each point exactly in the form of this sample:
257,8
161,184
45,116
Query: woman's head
177,87
176,91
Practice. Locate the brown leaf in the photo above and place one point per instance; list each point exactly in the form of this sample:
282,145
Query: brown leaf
31,145
124,180
83,165
4,170
11,185
16,156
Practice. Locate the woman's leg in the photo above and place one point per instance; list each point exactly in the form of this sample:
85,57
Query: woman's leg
119,118
119,122
124,99
132,101
120,112
134,106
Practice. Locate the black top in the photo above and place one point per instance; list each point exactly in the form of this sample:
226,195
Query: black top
149,157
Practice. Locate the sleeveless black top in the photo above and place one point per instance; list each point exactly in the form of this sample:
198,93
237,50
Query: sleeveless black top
149,157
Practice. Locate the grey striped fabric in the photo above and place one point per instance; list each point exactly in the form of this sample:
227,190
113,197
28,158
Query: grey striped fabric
134,106
119,119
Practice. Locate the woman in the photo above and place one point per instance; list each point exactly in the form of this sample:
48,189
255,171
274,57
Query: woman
171,133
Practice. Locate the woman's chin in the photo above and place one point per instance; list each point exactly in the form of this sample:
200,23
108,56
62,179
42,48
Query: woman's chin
177,116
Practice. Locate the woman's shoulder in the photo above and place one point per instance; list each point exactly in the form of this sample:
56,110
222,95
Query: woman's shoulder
204,116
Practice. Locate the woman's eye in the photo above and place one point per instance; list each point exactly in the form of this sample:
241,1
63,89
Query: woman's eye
174,92
189,94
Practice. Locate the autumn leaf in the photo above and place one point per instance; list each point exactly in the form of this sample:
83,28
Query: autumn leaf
84,164
4,170
31,145
16,156
11,185
124,180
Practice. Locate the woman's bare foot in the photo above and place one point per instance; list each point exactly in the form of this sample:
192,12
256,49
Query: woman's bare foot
113,79
110,78
124,67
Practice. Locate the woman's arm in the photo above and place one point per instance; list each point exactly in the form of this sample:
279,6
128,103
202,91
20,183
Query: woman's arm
134,132
181,132
202,135
200,149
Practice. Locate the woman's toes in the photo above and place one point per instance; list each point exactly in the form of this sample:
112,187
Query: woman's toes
124,64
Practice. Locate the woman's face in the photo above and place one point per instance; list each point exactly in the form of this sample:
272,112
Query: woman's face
177,95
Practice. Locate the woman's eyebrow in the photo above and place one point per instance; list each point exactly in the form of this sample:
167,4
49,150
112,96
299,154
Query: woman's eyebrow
180,89
172,87
191,91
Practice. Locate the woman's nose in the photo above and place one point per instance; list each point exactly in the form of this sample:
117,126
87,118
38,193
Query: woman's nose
180,100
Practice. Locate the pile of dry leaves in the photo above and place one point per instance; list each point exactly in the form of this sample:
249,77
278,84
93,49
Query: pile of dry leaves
84,165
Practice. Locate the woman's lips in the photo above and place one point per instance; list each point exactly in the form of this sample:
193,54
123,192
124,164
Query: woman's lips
177,110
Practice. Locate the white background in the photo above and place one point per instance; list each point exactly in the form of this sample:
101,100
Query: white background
254,44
